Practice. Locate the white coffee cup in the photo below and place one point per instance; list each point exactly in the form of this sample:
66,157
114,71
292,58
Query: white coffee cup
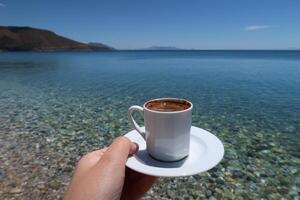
167,127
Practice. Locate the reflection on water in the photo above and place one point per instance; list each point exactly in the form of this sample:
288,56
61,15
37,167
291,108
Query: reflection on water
54,107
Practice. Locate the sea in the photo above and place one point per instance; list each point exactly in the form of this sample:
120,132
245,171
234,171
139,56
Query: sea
57,106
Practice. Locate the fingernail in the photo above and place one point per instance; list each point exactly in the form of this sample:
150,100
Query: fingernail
134,148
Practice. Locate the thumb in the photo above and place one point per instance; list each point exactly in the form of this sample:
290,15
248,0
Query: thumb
119,151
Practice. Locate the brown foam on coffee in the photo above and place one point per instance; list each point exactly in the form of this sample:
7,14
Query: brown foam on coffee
167,105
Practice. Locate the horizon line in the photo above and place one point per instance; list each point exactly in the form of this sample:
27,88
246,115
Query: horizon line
221,49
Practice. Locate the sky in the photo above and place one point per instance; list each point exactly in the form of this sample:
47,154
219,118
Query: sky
188,24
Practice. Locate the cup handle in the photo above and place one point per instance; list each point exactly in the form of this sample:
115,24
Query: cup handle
133,122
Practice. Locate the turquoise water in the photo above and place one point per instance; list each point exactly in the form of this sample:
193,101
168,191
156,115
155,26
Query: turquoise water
54,107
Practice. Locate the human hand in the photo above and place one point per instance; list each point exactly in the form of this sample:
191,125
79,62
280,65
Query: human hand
102,175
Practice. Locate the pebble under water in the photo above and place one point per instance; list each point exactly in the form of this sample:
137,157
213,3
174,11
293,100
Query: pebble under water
55,107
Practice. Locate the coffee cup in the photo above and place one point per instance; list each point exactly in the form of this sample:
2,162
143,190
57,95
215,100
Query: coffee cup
167,127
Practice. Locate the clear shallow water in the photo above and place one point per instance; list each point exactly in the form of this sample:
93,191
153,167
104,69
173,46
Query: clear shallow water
54,107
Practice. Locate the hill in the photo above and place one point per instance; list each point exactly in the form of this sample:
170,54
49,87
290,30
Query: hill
98,44
14,38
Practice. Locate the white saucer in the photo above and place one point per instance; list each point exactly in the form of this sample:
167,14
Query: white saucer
206,151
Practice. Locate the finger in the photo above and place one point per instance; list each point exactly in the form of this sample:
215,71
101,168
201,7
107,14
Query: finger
136,184
119,150
134,149
90,159
100,152
133,176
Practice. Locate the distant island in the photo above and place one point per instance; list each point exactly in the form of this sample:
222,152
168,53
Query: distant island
14,38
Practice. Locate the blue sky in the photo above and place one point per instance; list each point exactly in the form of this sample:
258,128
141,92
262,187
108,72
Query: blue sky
129,24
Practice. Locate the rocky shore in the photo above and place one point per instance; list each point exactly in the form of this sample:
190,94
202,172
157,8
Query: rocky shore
43,136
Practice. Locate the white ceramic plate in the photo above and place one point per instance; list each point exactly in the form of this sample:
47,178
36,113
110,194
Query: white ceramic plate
206,151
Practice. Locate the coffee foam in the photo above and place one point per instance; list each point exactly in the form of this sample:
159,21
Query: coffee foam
168,105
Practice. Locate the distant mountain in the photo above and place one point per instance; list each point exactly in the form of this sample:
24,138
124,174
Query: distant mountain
98,44
14,38
161,48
